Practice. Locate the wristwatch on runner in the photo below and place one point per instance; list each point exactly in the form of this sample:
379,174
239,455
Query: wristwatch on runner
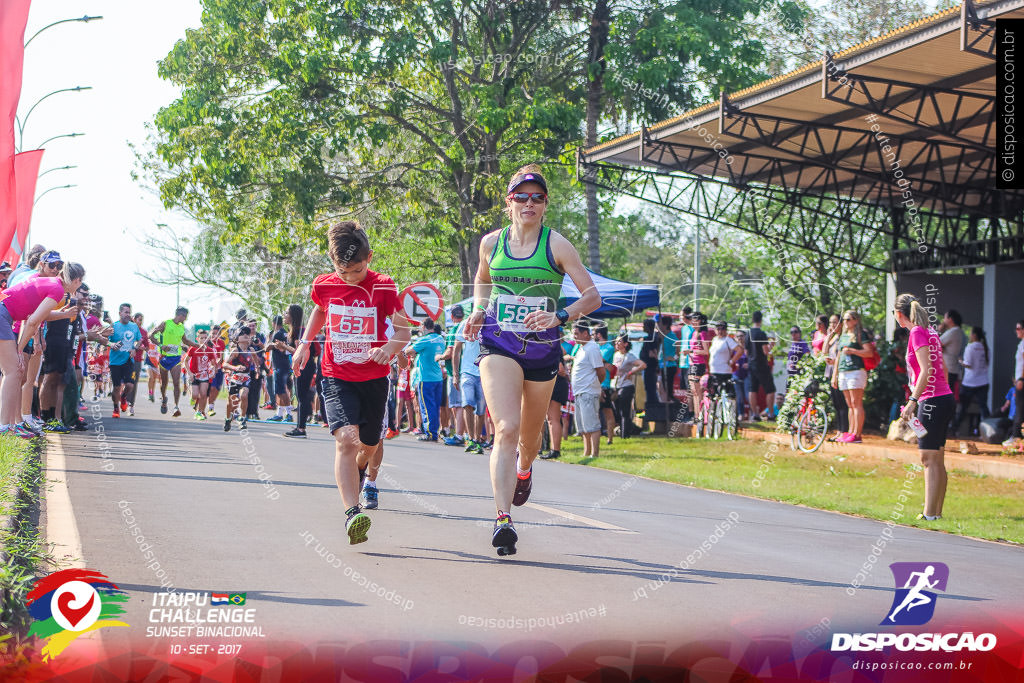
562,315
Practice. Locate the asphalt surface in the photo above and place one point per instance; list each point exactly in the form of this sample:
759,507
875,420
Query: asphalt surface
621,554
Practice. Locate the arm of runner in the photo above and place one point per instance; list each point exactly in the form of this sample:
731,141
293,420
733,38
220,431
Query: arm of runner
568,259
481,288
403,332
457,360
316,323
69,312
31,326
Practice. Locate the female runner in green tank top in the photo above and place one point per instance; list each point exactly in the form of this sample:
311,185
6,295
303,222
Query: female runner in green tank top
517,315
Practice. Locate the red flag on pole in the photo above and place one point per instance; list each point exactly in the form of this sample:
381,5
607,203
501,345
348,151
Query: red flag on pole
13,17
26,172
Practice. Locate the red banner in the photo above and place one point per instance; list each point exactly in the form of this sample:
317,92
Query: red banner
13,16
26,172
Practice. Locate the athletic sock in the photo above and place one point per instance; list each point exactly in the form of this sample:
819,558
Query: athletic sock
280,411
369,484
352,510
48,414
522,474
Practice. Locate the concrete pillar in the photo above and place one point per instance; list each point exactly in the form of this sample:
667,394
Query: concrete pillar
890,301
1001,309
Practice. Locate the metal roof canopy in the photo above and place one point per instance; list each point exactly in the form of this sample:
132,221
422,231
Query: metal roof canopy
893,138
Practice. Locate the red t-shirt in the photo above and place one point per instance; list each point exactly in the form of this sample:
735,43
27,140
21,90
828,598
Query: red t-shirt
141,351
202,362
356,321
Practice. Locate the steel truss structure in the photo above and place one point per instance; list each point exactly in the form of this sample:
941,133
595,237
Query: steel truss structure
918,185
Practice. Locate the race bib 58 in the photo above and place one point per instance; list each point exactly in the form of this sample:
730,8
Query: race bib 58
512,311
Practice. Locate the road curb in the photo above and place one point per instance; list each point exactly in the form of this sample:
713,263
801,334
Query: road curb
993,466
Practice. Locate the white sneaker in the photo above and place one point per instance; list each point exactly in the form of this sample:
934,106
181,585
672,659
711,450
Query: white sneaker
1010,443
35,421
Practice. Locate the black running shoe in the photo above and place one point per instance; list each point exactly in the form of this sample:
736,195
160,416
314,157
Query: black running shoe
523,488
505,536
551,455
296,434
163,407
227,423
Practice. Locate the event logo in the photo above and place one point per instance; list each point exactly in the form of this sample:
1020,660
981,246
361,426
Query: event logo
913,605
914,602
71,602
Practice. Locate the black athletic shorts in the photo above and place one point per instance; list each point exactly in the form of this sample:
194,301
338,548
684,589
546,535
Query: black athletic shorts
761,377
122,374
529,374
56,358
362,404
282,381
605,402
560,392
935,414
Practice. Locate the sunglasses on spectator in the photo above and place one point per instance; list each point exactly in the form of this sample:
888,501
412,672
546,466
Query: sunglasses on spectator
521,197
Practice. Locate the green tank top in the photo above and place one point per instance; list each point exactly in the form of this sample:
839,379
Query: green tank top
172,336
533,276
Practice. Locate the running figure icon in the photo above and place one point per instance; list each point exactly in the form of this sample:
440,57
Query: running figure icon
916,597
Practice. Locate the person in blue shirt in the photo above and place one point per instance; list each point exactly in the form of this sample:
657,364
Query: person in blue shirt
428,347
685,333
126,338
669,359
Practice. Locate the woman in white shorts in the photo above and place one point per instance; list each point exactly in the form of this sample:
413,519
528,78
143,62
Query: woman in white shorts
850,377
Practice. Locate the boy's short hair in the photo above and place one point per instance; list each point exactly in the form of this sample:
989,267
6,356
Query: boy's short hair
346,243
244,330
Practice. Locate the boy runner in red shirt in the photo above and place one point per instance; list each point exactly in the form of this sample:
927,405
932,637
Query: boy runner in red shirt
355,303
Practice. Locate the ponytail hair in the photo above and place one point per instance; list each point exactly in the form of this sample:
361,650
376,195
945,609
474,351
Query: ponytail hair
294,321
71,272
980,334
908,305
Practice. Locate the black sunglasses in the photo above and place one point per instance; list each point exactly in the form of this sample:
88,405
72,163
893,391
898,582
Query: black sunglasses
521,197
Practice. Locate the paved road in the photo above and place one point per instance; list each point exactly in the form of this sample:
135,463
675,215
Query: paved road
598,544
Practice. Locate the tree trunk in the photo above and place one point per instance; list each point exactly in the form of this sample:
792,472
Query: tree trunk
598,39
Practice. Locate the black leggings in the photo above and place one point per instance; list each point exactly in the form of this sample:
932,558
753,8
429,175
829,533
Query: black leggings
624,403
842,411
304,391
967,395
651,384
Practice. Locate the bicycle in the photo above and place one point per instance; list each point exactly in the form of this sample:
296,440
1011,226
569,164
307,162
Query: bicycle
704,418
810,425
726,420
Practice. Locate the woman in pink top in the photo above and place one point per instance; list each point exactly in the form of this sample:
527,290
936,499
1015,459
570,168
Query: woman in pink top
930,398
820,335
30,301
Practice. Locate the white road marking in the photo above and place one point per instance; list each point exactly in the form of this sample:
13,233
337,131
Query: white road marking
61,529
580,518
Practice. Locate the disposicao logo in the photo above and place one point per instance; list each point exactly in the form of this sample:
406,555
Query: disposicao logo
913,605
71,602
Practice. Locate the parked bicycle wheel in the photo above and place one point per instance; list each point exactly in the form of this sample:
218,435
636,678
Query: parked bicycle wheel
709,419
726,422
812,429
794,426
